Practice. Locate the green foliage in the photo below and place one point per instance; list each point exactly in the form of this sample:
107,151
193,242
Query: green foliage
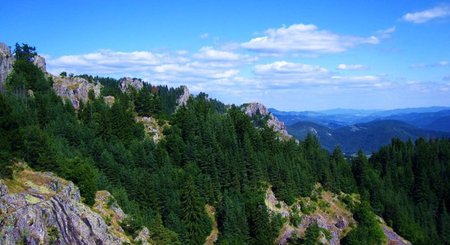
368,230
212,154
24,52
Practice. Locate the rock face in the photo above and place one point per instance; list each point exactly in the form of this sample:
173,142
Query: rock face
6,62
183,99
254,109
75,89
126,83
152,128
39,61
40,208
109,100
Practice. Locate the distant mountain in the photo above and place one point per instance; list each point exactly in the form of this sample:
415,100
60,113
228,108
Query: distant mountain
440,124
366,136
425,118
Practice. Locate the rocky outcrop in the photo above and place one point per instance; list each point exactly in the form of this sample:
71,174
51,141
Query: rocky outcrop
184,97
151,127
39,61
257,109
109,100
40,208
6,62
324,209
127,82
75,89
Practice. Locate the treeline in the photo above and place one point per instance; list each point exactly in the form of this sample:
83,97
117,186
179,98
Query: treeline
210,154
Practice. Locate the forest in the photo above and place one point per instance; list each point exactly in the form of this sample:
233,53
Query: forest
212,154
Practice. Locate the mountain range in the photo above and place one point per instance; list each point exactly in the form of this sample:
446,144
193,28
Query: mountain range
367,130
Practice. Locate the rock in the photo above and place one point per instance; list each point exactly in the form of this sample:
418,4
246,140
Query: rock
109,100
143,237
184,97
39,61
40,208
151,128
392,237
255,109
126,83
341,222
6,62
75,89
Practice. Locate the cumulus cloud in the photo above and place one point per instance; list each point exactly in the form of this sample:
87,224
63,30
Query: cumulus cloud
208,65
427,15
303,38
354,67
209,53
283,74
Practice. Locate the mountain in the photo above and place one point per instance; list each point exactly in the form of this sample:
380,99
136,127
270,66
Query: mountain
194,170
366,136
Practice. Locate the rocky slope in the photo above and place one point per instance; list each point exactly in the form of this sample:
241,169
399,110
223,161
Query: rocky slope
257,109
324,208
40,208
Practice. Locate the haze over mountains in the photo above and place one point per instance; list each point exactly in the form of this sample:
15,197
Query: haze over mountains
367,129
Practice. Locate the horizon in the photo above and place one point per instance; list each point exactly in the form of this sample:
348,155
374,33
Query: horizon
293,57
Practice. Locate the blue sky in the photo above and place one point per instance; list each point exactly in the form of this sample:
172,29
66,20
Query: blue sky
290,55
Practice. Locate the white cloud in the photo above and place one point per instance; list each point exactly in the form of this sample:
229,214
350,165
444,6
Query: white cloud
427,15
303,38
442,63
209,53
386,33
204,36
207,69
354,67
282,75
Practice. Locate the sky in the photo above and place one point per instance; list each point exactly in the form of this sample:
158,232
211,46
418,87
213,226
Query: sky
289,55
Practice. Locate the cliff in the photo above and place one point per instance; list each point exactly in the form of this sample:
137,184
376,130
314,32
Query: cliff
75,89
40,208
6,62
255,110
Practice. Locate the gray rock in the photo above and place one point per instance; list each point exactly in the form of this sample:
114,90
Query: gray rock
6,62
126,83
183,99
39,61
75,89
46,209
255,108
143,237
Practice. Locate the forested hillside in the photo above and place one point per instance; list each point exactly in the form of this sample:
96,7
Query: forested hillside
211,154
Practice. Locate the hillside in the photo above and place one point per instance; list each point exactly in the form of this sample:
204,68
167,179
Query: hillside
366,136
193,170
